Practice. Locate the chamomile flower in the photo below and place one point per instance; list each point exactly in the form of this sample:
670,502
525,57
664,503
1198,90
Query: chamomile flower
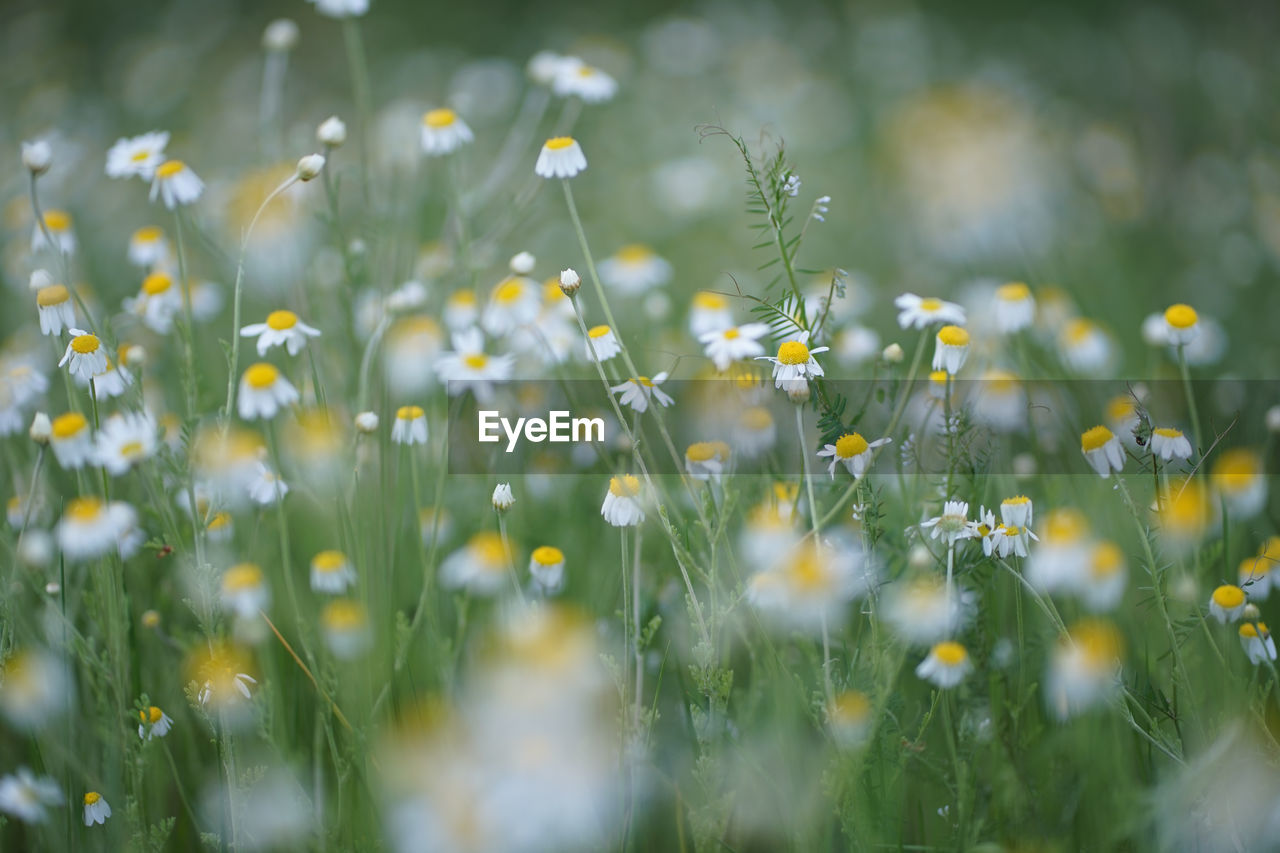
221,528
264,392
917,313
243,590
1102,586
53,303
755,432
265,487
1169,444
125,440
410,426
1009,539
811,584
705,460
443,132
27,796
1239,479
58,225
622,503
153,723
853,452
281,327
71,440
1001,402
36,689
1064,550
1015,307
157,302
1085,347
331,573
1182,324
794,364
923,611
1257,642
1227,603
223,673
1017,510
85,356
573,77
345,624
709,312
952,349
946,665
560,157
460,310
96,810
515,302
546,567
137,156
1084,670
634,269
90,528
480,566
341,8
175,184
734,343
469,368
148,247
1122,417
637,393
849,719
602,344
952,525
1102,450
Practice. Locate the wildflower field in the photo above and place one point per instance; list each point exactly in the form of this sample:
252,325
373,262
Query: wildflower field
555,426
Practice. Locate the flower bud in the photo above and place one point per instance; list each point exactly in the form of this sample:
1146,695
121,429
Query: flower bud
280,36
37,156
570,281
892,354
1251,613
522,264
332,132
367,422
41,428
36,552
798,392
310,166
40,279
503,500
133,355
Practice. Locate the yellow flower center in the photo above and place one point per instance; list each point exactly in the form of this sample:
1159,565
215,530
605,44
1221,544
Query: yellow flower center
850,706
1236,469
151,715
462,298
1167,432
1095,438
486,546
598,331
701,451
85,344
1065,525
644,380
953,336
757,418
219,521
1016,500
1228,596
508,292
1120,409
1107,560
731,334
148,233
850,444
169,168
242,577
476,360
57,220
793,352
131,450
329,561
1099,641
408,413
439,118
1180,316
547,555
709,301
558,143
634,254
950,653
84,510
156,283
808,572
54,294
1014,291
1250,631
69,425
343,615
141,155
281,320
1079,330
626,486
931,305
261,375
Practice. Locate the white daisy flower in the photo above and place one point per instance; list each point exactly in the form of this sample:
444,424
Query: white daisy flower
1015,307
345,625
621,506
952,349
953,525
916,312
157,302
243,590
795,364
468,367
638,392
1085,347
546,567
705,460
1170,444
460,310
1084,670
853,452
281,327
125,440
56,311
480,566
265,487
137,156
849,719
71,440
755,432
811,584
946,665
332,573
1182,324
1017,511
112,382
96,810
443,132
1239,477
1102,588
27,796
735,343
544,65
148,247
175,184
602,344
1060,559
90,528
1102,450
58,224
153,723
560,157
573,77
264,392
1257,642
85,356
410,426
1009,539
1227,603
341,8
634,269
709,312
515,302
